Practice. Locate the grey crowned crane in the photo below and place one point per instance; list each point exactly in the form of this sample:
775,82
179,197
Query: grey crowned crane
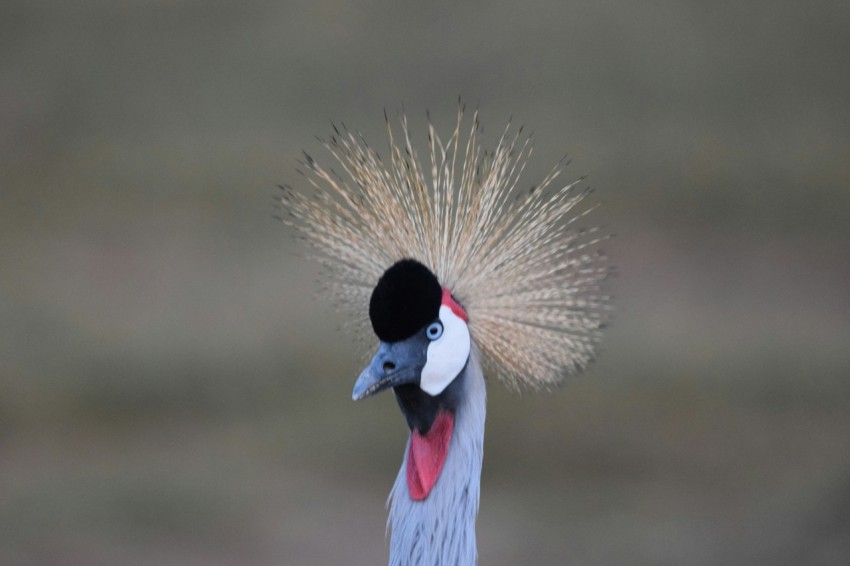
462,274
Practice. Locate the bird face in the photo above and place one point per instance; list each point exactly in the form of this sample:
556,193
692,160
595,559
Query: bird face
423,331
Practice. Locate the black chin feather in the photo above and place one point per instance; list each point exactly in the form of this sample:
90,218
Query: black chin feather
420,409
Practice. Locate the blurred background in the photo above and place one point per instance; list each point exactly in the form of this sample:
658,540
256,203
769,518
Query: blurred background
172,390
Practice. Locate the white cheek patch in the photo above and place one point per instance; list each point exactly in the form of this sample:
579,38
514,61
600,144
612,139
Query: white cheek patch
446,355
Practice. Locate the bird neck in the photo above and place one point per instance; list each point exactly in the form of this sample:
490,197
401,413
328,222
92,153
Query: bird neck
439,529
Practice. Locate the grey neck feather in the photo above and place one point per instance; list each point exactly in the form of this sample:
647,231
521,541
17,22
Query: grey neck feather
440,531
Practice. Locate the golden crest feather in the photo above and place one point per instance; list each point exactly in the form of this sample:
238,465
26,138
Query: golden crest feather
518,261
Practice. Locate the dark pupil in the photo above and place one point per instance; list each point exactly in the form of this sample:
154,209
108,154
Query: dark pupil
432,330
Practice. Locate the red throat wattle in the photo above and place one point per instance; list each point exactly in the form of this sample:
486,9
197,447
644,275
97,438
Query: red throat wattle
427,455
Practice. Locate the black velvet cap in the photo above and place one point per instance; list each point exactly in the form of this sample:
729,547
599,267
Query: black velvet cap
406,298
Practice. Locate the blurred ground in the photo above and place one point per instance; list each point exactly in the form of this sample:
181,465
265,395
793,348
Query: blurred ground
169,394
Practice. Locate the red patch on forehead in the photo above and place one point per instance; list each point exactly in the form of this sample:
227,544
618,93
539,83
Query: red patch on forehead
427,455
450,302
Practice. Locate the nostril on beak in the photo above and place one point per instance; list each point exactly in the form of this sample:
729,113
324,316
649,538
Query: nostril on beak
388,366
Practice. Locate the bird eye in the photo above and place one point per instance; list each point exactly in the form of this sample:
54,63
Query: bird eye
434,330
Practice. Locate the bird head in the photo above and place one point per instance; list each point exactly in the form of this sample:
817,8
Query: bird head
425,340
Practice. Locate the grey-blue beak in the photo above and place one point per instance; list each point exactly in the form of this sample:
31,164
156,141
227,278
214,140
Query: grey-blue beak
394,364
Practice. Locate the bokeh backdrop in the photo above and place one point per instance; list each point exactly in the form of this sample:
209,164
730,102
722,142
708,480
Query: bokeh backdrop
174,391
